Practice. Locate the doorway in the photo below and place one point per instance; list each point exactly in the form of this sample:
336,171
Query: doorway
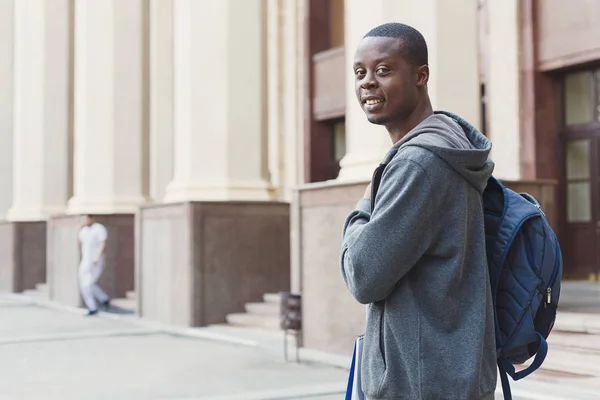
581,172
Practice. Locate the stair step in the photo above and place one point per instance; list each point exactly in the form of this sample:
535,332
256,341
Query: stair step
248,332
124,303
584,342
36,294
131,294
42,287
577,323
571,361
268,309
271,298
253,320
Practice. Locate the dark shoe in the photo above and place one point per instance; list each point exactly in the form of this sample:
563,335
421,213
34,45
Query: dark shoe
106,305
92,312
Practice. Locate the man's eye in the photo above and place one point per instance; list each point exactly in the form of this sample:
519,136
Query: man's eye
382,70
359,72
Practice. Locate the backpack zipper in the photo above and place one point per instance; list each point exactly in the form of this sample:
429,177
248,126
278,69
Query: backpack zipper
554,274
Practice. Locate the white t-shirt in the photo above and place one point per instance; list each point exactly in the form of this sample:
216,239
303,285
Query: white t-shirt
90,238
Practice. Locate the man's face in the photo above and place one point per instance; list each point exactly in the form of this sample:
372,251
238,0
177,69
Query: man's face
386,84
89,220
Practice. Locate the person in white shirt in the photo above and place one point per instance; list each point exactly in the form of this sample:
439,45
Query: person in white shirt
92,242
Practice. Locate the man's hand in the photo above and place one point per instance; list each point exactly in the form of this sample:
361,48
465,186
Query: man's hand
367,194
100,252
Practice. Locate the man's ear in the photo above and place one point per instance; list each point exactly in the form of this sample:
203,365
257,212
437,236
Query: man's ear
422,75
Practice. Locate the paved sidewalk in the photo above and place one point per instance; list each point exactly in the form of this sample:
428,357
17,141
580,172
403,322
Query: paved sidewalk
52,354
56,353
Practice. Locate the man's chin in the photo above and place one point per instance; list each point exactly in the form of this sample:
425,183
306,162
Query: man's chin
377,119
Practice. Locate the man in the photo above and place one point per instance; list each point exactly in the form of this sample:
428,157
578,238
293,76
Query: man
418,259
92,241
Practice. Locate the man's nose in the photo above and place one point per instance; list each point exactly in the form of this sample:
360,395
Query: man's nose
369,81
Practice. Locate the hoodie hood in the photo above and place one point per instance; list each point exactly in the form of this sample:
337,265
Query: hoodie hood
456,142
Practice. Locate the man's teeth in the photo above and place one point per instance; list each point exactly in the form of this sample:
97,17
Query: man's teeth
371,101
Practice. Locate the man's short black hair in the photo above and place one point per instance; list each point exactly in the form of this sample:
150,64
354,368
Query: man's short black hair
413,47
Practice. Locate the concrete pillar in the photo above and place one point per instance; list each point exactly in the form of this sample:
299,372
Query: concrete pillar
161,97
285,95
6,102
42,114
220,119
286,118
454,81
111,107
293,83
276,93
503,87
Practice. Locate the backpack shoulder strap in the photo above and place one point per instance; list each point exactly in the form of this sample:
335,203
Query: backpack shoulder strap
517,210
375,182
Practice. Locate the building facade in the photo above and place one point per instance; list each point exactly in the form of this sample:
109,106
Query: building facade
191,126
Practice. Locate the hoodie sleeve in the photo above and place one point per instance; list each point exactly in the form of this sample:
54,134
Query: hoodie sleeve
379,249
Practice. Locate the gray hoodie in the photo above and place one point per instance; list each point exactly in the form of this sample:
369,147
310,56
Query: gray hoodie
419,262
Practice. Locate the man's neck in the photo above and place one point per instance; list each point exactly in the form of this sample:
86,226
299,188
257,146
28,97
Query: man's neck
421,113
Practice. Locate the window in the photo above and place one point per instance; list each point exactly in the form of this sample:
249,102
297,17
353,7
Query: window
578,98
339,140
579,205
336,22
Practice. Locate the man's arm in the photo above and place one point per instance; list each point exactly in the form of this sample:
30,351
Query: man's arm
379,249
103,235
100,251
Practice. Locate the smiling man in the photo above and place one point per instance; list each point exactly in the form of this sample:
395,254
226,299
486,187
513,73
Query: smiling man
416,253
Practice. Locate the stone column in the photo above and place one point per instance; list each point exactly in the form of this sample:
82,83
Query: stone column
453,86
286,117
111,107
42,97
220,120
503,87
285,95
6,102
161,97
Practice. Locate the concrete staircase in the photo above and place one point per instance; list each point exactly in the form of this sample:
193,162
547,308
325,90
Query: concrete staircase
126,304
264,315
574,351
40,292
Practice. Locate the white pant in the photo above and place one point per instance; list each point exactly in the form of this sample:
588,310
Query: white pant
89,274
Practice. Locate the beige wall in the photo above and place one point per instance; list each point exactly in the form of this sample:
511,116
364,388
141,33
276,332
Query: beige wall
332,318
560,45
6,102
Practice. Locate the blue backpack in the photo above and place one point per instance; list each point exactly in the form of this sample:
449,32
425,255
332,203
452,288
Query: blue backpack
525,267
